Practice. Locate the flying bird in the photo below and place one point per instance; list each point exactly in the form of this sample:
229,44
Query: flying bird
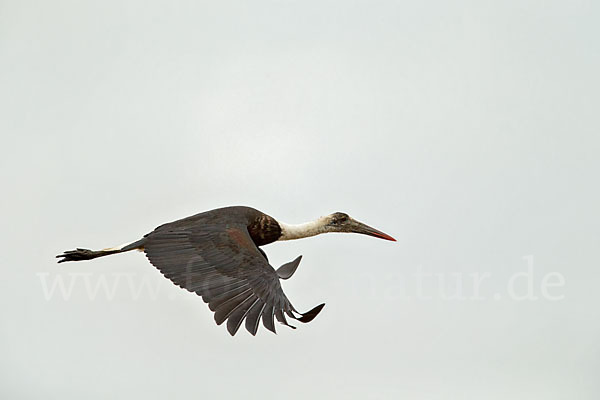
217,255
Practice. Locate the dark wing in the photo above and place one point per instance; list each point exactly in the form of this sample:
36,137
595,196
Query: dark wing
222,264
287,270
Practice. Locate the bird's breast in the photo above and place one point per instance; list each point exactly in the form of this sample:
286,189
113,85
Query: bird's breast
264,230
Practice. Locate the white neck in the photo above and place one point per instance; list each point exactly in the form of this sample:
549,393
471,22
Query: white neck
308,229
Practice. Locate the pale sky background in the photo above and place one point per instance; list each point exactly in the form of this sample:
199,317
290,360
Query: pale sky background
469,130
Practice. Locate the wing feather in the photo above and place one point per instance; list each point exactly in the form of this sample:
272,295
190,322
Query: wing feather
236,317
267,318
221,263
224,310
253,318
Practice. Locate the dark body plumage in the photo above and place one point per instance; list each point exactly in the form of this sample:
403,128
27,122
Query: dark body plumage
262,228
215,254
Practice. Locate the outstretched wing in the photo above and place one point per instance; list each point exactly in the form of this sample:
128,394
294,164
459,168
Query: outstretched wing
222,264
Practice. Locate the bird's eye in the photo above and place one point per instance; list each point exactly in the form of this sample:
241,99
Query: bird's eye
339,218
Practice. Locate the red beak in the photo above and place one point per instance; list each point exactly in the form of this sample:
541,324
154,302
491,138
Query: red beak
359,227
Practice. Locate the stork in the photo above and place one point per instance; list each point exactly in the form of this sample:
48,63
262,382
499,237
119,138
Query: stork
216,254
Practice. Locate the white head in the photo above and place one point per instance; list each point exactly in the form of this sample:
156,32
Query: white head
336,222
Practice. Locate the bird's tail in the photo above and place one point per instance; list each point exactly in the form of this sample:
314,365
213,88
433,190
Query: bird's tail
86,254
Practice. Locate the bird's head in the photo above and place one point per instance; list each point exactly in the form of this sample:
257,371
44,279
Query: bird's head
341,222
